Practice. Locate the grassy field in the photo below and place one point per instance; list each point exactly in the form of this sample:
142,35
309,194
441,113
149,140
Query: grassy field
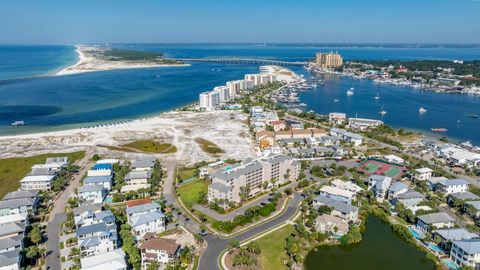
12,170
146,146
209,147
271,245
189,193
185,174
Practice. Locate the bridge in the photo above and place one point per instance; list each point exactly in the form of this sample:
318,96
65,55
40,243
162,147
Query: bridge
252,61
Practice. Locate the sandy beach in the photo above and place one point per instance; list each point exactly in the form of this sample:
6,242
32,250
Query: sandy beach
227,129
88,62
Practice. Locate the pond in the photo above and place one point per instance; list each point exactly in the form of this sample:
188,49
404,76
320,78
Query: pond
381,248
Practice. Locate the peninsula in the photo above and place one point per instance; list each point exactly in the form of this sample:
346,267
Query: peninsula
96,58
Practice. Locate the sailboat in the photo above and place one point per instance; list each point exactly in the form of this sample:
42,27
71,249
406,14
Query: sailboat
382,112
377,97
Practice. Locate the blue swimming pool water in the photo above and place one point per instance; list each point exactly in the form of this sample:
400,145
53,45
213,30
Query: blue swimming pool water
435,248
450,264
415,233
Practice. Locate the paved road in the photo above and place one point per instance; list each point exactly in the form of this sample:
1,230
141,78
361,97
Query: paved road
209,259
57,214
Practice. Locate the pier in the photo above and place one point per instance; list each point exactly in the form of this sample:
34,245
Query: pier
239,61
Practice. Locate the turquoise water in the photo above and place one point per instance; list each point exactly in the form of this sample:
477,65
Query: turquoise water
52,103
450,264
414,233
435,248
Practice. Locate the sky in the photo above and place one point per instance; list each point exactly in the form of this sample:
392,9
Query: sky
241,21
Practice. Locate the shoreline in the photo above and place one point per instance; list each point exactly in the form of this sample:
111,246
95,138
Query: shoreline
86,63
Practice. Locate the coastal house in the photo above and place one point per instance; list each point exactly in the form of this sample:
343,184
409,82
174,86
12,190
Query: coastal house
85,217
111,260
85,212
432,182
105,181
96,239
447,236
283,134
12,230
346,185
394,159
409,199
363,124
37,182
91,194
99,172
475,205
436,221
17,206
15,218
461,196
303,152
337,194
331,140
347,136
278,125
136,180
57,163
146,218
335,118
379,184
143,164
265,138
163,251
466,253
11,243
331,224
347,212
396,189
422,174
301,133
11,260
452,186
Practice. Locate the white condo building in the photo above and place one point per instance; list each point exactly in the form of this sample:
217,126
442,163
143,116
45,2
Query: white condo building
258,173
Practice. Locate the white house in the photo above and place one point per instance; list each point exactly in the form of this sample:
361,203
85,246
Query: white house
336,118
393,159
146,218
422,174
343,210
396,189
96,239
466,253
143,164
363,123
37,182
162,250
337,194
452,186
136,180
331,224
92,194
85,216
105,181
111,260
99,172
409,199
379,184
346,185
10,260
436,220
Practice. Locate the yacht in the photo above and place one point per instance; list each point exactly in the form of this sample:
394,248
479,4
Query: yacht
422,110
336,100
18,123
350,92
377,97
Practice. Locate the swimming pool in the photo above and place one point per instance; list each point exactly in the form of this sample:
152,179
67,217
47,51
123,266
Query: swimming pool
450,264
415,233
435,248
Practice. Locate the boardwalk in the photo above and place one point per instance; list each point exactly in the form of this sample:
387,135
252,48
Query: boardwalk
239,61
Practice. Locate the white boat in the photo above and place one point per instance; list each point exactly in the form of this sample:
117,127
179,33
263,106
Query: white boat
18,123
377,97
350,93
336,100
422,110
382,112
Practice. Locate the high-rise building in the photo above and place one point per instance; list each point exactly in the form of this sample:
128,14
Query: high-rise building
222,93
329,60
209,100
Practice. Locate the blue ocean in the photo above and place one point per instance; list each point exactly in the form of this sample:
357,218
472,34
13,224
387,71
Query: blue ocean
30,93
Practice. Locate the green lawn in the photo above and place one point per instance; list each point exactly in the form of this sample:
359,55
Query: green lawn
186,174
272,247
190,193
209,147
12,170
147,146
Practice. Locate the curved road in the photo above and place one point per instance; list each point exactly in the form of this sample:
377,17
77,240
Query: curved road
209,259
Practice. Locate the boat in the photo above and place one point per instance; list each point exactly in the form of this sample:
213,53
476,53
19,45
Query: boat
439,130
382,112
472,116
336,100
18,123
377,97
422,110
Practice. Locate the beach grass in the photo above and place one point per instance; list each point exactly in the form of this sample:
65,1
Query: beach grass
12,170
209,147
190,193
272,248
146,146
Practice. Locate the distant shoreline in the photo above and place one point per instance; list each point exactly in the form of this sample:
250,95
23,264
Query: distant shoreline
87,62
